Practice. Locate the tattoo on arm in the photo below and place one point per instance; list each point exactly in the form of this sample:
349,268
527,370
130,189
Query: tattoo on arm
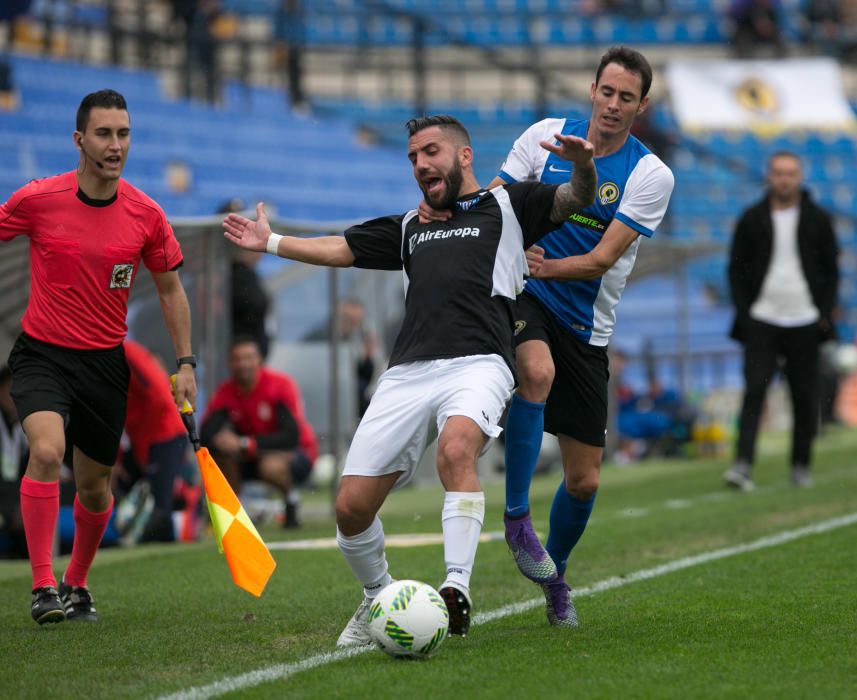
576,194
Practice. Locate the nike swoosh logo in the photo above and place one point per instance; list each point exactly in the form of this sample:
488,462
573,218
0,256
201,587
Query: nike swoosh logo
557,170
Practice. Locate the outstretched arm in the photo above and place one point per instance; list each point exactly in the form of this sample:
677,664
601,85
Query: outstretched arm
331,251
579,192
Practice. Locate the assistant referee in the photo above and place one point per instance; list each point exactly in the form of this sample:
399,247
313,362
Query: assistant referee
89,229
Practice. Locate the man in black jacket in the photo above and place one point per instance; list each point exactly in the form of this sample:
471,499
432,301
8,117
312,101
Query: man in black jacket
783,276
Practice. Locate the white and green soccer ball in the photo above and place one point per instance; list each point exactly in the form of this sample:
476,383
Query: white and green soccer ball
408,618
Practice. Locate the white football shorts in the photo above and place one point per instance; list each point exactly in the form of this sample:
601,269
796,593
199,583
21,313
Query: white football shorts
412,403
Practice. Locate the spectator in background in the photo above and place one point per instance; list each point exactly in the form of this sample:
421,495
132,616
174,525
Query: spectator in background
830,29
13,442
199,18
755,23
350,328
8,95
655,421
13,460
288,47
256,428
783,275
159,453
10,10
249,299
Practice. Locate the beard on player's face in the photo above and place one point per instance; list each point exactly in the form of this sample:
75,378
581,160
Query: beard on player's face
444,197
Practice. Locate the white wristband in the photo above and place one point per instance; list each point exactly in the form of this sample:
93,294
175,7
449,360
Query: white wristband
273,243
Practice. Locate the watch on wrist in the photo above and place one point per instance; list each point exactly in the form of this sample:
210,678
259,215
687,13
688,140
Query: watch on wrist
186,360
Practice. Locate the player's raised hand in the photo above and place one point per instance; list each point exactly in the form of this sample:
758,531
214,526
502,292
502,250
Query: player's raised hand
571,148
252,235
427,214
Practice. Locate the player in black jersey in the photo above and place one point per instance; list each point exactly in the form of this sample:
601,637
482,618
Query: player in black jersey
451,370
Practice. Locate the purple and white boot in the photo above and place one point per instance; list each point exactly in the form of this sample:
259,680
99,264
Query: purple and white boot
532,559
559,606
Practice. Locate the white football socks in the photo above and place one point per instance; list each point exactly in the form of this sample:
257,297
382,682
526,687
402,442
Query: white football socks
364,553
463,513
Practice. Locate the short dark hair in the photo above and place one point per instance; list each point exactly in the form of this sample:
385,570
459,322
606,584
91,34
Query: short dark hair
783,153
444,121
244,339
630,60
106,99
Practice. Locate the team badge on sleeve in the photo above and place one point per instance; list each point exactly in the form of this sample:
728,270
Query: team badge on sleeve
121,277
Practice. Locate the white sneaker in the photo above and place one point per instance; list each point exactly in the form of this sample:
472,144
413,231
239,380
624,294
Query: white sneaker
801,477
738,476
356,632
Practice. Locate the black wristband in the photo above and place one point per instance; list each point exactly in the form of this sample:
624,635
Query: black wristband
187,360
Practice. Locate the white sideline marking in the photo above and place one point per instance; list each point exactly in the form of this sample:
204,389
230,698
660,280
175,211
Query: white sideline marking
632,513
418,540
264,675
283,671
678,503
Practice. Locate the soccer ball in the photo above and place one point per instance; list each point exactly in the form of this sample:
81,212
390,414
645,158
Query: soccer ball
408,618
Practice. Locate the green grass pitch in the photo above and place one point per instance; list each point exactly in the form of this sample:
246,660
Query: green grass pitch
779,621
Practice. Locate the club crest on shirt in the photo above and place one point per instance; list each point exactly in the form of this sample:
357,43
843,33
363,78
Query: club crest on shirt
121,276
608,193
519,326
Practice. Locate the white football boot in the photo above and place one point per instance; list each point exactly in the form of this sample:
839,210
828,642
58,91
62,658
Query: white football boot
356,632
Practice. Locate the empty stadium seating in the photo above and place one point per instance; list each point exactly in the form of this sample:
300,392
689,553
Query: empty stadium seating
515,23
253,147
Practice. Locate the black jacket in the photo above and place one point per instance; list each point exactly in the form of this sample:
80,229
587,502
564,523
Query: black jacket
750,256
250,302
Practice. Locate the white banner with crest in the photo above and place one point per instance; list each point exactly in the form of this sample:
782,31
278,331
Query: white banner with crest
766,96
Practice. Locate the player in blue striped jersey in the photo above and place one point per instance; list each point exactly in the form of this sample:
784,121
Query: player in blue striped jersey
566,315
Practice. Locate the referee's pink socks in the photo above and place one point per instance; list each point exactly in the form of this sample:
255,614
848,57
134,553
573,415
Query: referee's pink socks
40,506
89,528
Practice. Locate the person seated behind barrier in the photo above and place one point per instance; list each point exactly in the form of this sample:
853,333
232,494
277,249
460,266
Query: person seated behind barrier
159,459
256,428
655,421
14,451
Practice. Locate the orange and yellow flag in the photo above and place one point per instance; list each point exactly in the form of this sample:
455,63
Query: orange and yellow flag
248,558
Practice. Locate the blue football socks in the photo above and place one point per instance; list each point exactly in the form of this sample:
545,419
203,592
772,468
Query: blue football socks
524,427
568,519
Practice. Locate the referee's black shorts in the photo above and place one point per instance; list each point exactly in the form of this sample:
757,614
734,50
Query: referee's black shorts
88,388
577,403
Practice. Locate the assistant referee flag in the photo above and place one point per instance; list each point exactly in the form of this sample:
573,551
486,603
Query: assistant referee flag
249,560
